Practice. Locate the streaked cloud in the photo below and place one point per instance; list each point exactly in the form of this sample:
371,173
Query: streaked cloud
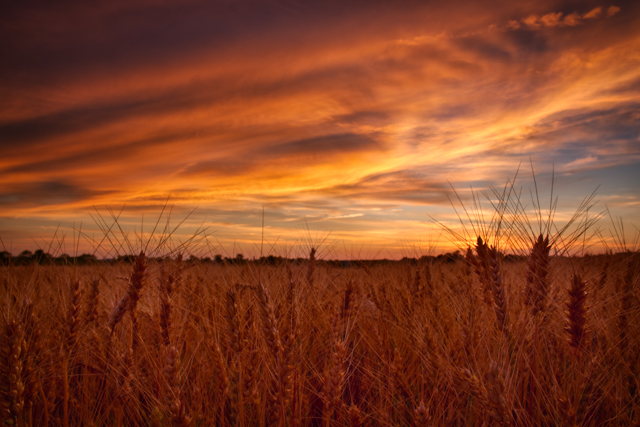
554,19
312,111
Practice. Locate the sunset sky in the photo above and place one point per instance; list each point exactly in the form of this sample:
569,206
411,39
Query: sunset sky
348,122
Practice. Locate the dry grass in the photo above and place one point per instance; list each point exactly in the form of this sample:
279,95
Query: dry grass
486,341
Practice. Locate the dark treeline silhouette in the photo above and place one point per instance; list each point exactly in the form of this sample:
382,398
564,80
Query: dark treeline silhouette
40,257
43,258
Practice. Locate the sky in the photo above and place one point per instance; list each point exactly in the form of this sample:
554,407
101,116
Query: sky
272,126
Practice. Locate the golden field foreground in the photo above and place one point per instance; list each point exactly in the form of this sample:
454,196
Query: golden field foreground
478,340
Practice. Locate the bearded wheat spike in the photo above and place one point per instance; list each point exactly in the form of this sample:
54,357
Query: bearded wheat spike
499,295
167,281
537,282
136,283
334,379
117,313
31,350
483,269
311,267
269,324
233,323
93,302
475,387
499,409
74,315
11,385
577,313
250,380
355,416
421,416
179,417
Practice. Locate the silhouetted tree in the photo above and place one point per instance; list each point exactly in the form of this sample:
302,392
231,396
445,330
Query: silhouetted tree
5,258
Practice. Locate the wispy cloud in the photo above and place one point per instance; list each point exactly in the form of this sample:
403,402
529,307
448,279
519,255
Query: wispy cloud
308,110
555,19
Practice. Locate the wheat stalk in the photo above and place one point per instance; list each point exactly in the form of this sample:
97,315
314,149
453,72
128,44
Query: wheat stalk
311,266
537,281
117,313
167,282
179,417
355,416
333,380
93,302
73,319
499,294
499,409
421,416
136,283
576,313
11,364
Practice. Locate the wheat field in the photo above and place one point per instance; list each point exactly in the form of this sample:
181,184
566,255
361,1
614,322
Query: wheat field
481,339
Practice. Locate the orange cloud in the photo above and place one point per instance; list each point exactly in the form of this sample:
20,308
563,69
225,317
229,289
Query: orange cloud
594,13
554,19
572,19
318,114
551,19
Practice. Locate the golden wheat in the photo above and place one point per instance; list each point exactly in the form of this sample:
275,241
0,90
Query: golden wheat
369,344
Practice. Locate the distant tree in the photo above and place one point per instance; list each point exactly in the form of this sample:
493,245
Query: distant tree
218,259
24,258
5,258
64,259
41,257
272,260
86,259
426,258
514,258
450,257
126,258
